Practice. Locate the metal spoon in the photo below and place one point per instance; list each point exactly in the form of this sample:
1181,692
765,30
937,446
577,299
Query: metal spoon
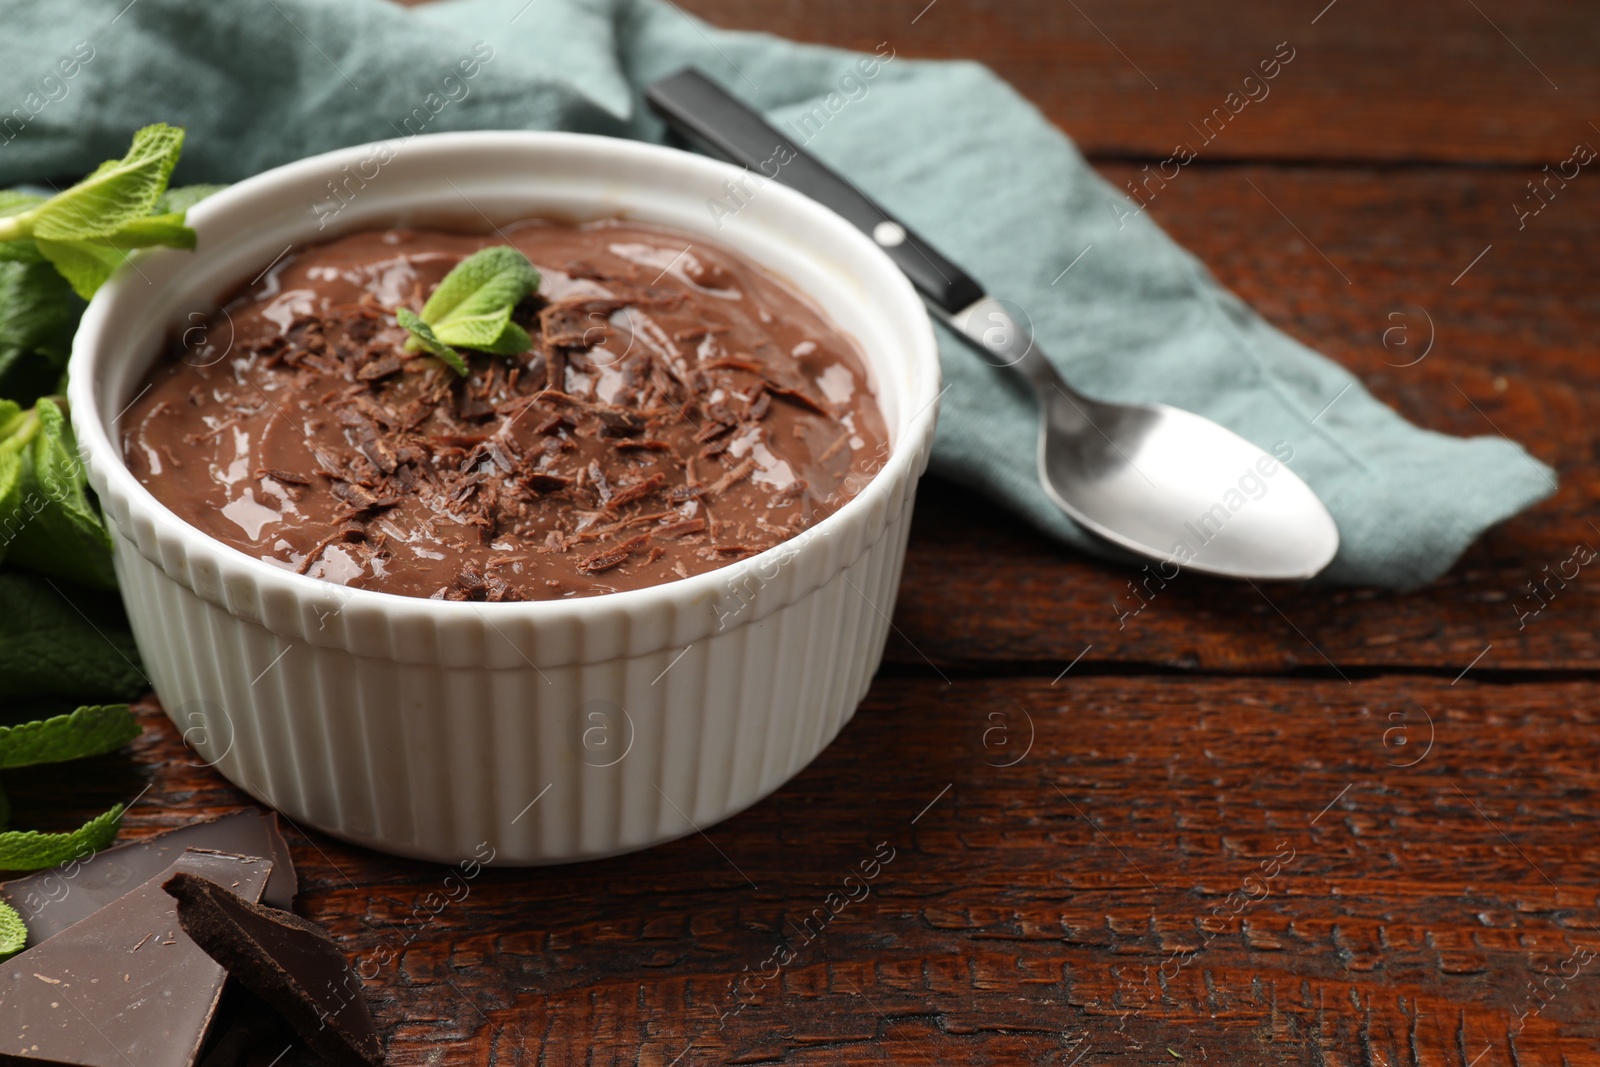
1159,481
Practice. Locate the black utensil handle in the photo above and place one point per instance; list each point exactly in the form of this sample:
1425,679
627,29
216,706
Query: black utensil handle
712,120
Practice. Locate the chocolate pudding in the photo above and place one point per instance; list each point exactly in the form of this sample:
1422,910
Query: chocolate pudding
680,408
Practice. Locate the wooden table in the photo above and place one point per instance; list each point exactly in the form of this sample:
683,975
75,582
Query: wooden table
1289,826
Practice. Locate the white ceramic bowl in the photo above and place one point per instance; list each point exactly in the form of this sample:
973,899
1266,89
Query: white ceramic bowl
547,731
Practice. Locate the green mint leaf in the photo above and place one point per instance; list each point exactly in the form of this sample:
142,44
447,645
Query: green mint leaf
167,230
38,310
513,340
52,526
482,331
183,198
116,193
422,337
86,265
489,280
89,731
20,252
30,850
17,431
13,932
78,649
472,306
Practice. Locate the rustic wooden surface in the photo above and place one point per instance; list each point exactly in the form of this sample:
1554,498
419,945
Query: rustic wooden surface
1399,847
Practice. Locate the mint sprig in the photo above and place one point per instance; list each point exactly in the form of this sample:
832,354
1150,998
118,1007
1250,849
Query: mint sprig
423,339
472,306
54,646
88,230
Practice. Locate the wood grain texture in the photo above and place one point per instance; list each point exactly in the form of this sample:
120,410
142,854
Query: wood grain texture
1433,81
1058,853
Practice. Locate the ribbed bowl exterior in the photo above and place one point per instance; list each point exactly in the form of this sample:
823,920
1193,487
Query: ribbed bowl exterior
539,764
536,732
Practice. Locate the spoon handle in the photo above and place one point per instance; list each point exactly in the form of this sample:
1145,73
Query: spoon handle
703,114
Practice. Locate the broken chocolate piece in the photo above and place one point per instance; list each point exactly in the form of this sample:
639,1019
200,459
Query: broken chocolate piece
126,985
50,901
287,961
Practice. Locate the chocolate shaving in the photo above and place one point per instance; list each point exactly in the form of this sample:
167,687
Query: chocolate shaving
784,392
681,529
732,363
379,368
578,324
788,494
282,476
759,405
718,487
353,495
713,430
605,559
636,491
597,478
621,423
542,482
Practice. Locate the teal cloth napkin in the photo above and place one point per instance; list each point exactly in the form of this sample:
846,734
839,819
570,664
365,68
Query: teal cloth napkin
947,146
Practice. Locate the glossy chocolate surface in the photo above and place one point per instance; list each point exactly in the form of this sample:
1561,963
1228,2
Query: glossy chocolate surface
680,409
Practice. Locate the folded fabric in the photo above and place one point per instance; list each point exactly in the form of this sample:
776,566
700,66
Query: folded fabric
947,146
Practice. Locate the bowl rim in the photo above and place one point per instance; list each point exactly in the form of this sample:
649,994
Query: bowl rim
110,477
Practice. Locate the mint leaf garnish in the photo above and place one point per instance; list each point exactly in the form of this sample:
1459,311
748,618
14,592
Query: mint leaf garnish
78,650
87,231
422,337
29,850
89,731
472,307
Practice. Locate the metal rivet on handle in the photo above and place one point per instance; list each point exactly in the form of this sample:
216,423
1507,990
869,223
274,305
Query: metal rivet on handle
888,234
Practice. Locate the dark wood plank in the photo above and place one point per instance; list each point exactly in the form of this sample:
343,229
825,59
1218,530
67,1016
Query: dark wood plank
1035,890
1512,351
1429,81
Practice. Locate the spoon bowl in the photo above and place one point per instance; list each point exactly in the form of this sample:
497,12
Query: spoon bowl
1157,480
1175,486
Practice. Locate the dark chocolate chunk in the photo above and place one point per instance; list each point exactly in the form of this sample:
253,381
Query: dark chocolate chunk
290,963
126,985
50,901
